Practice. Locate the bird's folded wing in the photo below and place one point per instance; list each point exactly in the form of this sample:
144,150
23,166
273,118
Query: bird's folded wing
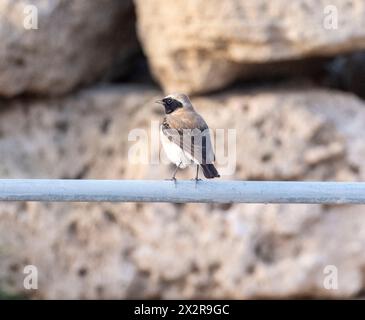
193,138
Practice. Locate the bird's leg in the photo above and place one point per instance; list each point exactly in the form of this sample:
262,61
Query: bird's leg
177,168
173,176
197,174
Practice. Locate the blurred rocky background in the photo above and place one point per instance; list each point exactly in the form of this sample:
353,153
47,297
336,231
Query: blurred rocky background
73,89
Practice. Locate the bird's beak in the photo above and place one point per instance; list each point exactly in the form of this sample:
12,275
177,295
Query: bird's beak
159,102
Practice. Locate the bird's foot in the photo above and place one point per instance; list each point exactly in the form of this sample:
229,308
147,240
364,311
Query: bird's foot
196,181
172,179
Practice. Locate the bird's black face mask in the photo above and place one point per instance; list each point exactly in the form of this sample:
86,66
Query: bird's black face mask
171,105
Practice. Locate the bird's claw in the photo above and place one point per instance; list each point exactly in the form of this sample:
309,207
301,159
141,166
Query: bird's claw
196,181
172,179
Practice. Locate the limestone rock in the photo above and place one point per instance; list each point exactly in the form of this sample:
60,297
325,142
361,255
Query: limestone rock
196,47
136,250
76,43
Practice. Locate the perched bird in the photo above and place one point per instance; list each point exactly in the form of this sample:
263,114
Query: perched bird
185,136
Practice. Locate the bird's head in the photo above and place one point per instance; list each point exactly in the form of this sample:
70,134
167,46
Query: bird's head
174,102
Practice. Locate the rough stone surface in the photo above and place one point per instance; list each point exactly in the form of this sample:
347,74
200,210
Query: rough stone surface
193,250
196,48
76,43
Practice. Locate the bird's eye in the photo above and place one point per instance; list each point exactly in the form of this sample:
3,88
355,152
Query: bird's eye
169,101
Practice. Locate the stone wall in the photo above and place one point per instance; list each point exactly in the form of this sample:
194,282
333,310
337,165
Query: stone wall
60,117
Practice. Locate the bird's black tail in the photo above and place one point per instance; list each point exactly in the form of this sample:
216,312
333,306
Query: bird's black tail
210,171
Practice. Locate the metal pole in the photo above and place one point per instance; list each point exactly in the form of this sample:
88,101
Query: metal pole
181,191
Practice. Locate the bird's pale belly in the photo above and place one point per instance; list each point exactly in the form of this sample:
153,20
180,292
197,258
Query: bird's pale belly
175,153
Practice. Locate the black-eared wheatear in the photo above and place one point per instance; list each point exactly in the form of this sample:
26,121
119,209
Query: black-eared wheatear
185,136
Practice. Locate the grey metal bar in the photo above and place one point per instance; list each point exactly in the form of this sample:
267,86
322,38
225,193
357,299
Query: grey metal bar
181,191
